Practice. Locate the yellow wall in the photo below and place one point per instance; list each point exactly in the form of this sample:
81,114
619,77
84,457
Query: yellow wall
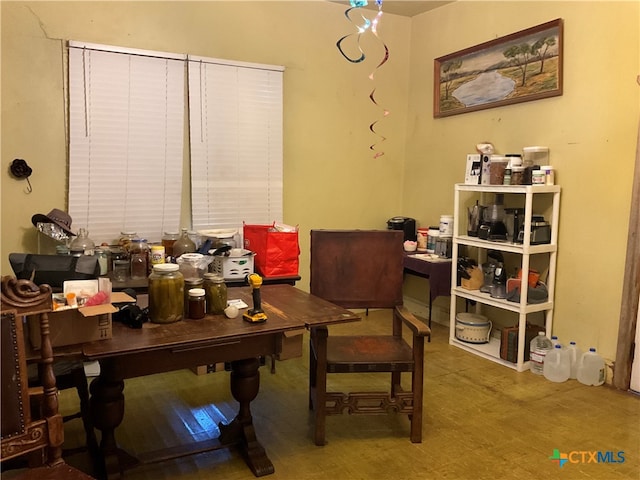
331,177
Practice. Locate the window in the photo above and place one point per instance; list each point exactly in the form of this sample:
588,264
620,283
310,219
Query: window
236,143
126,111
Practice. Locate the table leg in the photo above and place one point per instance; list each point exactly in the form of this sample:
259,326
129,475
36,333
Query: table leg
245,384
106,407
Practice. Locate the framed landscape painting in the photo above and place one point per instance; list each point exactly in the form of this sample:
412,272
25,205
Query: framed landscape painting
520,67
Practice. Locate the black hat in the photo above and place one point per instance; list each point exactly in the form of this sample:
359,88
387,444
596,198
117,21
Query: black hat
55,216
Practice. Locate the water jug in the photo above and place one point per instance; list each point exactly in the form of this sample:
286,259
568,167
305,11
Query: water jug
540,345
591,368
574,354
557,364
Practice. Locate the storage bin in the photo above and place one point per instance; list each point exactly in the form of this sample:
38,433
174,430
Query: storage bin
234,268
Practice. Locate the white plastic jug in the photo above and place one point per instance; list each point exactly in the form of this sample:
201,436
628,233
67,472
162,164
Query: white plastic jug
591,368
557,364
574,353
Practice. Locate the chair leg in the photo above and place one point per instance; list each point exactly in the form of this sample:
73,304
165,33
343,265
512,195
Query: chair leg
417,387
82,387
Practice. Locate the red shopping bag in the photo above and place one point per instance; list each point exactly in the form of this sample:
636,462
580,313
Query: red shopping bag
276,252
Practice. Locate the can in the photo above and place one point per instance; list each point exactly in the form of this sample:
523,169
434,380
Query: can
157,254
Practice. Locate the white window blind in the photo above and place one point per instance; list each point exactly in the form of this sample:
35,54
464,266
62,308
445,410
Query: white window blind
236,143
126,117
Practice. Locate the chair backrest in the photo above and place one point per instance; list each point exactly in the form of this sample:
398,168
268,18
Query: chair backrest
357,268
22,434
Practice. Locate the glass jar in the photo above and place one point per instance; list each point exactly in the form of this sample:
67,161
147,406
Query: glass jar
103,254
168,239
190,284
183,244
166,293
517,175
139,258
216,293
196,303
82,244
125,239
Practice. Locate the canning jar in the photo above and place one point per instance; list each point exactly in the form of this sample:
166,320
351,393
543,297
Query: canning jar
166,293
190,284
196,303
168,239
216,293
139,258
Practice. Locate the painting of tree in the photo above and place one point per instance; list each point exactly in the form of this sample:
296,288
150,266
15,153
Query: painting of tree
520,67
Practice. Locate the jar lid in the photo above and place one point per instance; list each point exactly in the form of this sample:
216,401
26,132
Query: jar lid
192,256
517,168
128,233
196,292
214,277
165,267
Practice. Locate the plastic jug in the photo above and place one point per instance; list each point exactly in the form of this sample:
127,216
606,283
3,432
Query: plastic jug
557,364
591,368
574,354
539,348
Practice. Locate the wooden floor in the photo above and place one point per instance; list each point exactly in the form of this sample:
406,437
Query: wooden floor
482,421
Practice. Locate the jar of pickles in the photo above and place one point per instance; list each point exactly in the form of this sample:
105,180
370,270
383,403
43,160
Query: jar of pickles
166,293
215,292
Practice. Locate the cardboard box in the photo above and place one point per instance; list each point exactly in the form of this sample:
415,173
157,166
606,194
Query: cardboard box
290,344
77,325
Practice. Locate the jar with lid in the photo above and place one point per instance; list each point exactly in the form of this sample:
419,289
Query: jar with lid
166,293
82,244
190,284
216,293
183,244
103,254
517,175
139,258
196,303
125,239
168,239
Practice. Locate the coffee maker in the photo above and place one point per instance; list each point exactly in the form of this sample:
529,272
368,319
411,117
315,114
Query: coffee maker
406,224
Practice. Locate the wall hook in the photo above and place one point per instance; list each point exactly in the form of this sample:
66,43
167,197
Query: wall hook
20,169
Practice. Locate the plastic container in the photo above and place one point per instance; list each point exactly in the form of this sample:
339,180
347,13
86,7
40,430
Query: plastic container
591,368
216,293
432,239
557,364
517,175
446,226
423,235
538,177
496,169
549,174
166,293
157,254
536,155
539,348
574,354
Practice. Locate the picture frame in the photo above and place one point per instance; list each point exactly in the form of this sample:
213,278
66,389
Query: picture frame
520,67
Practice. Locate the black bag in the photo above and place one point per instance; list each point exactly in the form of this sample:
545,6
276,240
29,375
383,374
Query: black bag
54,269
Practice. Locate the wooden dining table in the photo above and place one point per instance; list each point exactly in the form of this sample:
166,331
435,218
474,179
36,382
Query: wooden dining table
157,348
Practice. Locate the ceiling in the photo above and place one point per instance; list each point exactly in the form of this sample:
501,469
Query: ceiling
406,8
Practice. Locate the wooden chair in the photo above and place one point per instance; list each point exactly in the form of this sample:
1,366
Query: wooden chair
359,269
21,433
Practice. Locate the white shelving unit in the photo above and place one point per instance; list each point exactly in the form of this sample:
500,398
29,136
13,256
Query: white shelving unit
471,193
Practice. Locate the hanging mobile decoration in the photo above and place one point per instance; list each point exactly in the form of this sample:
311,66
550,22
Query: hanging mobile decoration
373,25
385,112
361,29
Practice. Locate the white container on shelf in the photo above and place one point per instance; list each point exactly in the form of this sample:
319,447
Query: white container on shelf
446,225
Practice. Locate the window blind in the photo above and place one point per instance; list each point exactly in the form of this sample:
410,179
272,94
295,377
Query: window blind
126,129
236,143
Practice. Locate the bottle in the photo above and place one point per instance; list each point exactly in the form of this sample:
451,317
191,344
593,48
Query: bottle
216,293
166,293
540,345
82,244
591,368
196,303
574,354
557,364
183,244
139,258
